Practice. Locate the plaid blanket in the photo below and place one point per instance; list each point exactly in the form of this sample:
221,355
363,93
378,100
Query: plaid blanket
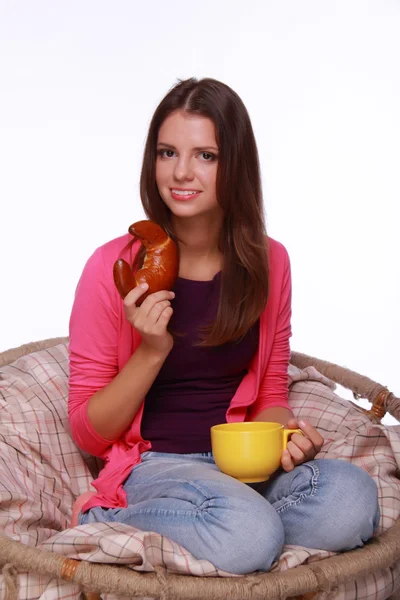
42,472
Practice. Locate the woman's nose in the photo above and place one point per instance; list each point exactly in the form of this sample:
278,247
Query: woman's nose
183,169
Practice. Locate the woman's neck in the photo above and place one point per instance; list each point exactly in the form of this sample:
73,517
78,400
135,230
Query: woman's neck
198,237
200,257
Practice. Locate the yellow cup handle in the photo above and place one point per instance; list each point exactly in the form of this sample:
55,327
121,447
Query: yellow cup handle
286,435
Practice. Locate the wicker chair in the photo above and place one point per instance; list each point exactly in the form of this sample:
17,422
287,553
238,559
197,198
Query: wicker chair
301,583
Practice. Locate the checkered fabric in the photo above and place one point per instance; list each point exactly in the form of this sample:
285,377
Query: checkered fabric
42,472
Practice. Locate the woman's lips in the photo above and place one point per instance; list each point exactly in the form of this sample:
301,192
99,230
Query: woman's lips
185,197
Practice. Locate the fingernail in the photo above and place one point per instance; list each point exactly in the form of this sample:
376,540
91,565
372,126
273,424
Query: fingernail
302,424
144,285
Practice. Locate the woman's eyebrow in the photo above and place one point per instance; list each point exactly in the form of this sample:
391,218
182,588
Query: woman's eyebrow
197,148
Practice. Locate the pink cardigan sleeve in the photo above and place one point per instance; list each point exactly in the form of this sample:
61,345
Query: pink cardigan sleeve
273,390
93,354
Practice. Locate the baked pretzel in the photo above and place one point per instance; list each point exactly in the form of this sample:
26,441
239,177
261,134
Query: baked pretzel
160,265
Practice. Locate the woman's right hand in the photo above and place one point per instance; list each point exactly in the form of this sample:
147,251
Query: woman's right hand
151,318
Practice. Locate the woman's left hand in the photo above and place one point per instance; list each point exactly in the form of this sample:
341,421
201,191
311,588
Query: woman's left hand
301,448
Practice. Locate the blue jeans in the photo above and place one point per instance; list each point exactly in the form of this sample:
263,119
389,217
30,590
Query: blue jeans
326,504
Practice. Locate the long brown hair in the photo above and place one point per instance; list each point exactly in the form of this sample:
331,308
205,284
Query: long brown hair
243,242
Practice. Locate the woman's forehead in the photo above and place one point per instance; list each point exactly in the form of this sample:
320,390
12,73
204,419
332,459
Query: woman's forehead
187,129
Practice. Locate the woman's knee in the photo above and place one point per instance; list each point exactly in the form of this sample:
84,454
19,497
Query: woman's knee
251,536
356,517
341,512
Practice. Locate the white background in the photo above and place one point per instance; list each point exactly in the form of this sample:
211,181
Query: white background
79,81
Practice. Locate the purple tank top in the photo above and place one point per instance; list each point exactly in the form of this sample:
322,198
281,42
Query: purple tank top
195,385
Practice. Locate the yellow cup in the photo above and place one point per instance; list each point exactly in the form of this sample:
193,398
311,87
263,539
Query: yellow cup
249,451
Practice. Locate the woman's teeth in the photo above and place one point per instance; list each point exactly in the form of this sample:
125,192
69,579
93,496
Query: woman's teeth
184,193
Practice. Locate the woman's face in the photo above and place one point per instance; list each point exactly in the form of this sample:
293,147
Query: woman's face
186,166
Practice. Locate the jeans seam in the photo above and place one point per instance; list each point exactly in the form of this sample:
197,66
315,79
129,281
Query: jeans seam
206,498
314,489
168,512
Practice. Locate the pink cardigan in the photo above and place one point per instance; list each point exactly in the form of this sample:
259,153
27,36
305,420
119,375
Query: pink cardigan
102,341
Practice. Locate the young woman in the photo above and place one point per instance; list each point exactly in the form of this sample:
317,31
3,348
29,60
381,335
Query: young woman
144,398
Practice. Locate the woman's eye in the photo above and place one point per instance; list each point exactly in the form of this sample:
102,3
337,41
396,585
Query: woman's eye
208,157
166,153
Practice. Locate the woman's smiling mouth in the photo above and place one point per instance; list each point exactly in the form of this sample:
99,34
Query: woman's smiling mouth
179,194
